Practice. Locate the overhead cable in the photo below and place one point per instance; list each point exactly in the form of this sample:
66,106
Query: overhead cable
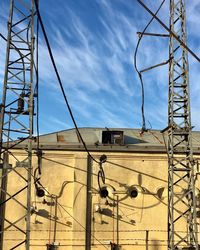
144,128
170,31
38,150
101,174
60,81
54,196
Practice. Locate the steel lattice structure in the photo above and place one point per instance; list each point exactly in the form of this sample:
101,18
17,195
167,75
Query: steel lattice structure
181,180
16,123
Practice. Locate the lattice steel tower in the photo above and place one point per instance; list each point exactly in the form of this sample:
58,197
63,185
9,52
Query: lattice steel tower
181,179
16,123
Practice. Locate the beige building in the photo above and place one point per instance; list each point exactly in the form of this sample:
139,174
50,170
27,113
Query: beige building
73,214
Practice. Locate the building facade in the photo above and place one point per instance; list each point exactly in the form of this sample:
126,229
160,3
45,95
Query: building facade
81,204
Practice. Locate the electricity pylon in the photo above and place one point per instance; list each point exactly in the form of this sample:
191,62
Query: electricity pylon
16,126
182,225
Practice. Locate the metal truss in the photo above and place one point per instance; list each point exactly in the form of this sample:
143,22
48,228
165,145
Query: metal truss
182,225
16,125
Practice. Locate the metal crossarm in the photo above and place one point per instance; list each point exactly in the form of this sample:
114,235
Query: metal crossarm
16,126
182,225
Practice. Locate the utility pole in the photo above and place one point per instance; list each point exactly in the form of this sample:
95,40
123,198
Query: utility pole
16,126
182,224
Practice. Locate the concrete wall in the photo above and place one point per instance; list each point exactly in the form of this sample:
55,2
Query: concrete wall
60,216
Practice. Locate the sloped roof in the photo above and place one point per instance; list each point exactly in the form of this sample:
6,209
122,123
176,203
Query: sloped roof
152,140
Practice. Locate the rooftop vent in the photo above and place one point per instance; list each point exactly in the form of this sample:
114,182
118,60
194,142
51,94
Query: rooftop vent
113,137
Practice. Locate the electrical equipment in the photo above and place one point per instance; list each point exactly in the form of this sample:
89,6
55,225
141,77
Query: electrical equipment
103,158
20,104
103,192
106,191
40,192
133,192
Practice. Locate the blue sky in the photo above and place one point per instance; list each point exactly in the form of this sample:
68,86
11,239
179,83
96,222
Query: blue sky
93,42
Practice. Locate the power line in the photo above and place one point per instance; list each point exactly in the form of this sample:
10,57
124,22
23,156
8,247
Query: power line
38,151
60,81
101,173
173,34
54,196
138,71
37,83
69,109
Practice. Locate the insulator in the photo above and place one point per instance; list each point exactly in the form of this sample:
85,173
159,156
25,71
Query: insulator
39,153
20,104
40,192
133,192
103,158
103,192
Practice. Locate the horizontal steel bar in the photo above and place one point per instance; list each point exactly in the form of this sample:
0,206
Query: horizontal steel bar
171,32
152,34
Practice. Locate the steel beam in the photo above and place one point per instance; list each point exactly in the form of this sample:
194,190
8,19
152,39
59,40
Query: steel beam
16,125
182,224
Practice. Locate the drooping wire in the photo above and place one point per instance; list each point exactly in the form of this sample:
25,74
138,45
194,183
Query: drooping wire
37,171
38,151
52,195
37,84
103,158
144,128
101,174
60,81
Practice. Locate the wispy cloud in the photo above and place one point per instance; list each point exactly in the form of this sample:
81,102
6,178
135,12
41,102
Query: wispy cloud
94,68
93,45
99,68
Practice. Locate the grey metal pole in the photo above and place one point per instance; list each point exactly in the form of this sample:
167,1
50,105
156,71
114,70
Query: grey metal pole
182,223
147,239
3,197
182,232
117,228
88,204
16,122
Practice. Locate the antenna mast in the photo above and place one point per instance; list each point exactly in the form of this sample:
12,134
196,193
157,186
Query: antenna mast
181,179
16,125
